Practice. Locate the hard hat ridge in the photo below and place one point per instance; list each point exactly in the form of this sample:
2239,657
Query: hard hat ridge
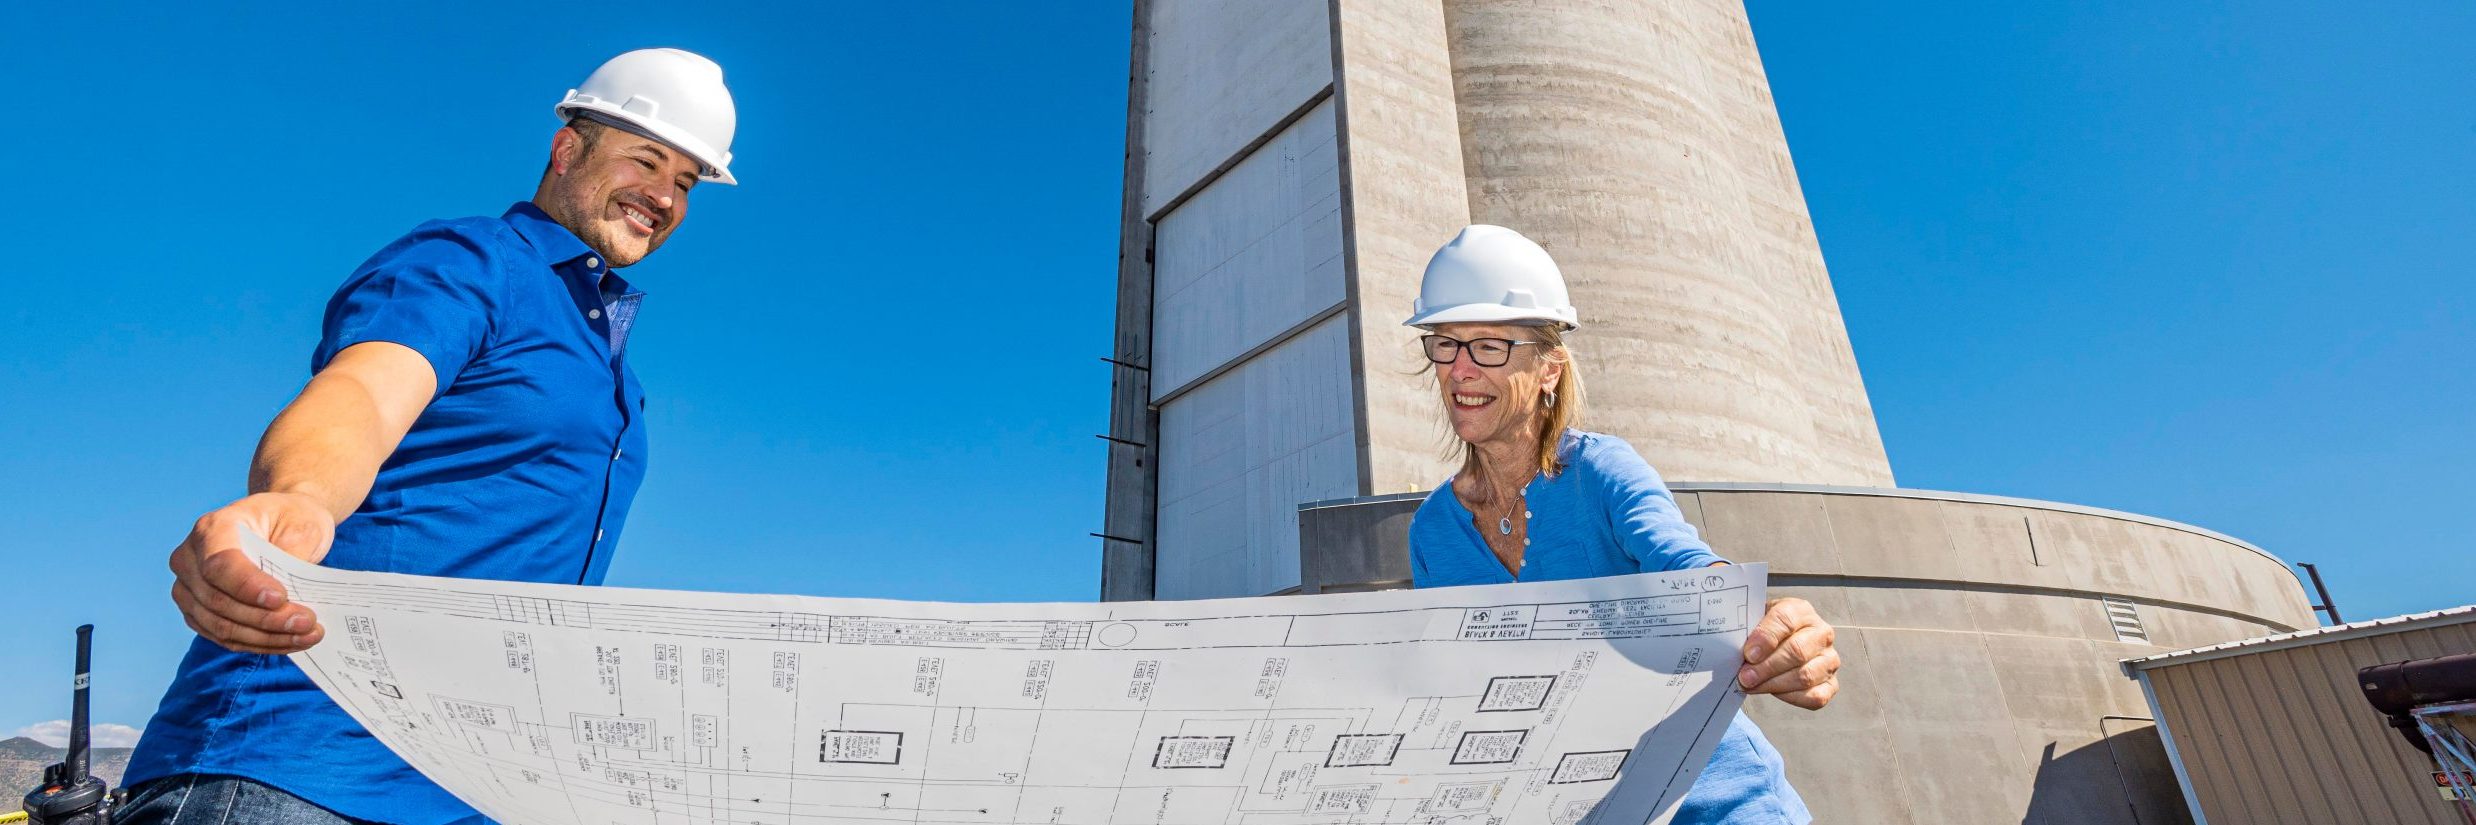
1490,274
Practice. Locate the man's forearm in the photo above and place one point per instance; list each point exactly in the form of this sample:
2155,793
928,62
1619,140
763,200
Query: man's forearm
327,444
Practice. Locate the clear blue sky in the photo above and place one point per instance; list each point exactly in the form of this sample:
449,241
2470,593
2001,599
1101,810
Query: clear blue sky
2210,262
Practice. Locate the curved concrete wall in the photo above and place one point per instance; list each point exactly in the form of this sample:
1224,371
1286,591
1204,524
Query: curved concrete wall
1981,682
1639,142
2207,587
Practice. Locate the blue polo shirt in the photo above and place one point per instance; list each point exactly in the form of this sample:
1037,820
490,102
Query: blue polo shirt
1608,514
521,469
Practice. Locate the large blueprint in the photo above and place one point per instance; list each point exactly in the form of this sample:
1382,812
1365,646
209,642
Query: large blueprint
1564,702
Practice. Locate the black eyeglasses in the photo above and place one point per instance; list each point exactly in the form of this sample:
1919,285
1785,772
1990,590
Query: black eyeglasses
1485,352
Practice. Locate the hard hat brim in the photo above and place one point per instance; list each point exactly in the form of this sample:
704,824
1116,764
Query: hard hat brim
1491,314
716,169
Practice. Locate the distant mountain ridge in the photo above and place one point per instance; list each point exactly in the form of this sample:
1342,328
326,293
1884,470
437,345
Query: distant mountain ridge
22,761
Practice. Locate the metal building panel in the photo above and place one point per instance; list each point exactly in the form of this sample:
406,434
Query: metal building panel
2397,770
1240,453
2201,712
2276,697
1251,256
1220,74
2281,734
2335,712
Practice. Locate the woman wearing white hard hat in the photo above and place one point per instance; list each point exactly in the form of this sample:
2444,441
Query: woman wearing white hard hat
1537,499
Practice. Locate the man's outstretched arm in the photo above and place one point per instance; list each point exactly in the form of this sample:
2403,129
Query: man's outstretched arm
314,466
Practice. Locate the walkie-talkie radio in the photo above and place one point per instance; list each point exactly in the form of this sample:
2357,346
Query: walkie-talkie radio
71,794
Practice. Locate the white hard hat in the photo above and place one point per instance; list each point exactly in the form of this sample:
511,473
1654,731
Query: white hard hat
1490,274
669,95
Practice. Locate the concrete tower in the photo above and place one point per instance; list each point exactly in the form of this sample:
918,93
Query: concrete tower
1292,163
1648,156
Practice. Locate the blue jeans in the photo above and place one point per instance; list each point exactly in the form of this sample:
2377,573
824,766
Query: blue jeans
207,799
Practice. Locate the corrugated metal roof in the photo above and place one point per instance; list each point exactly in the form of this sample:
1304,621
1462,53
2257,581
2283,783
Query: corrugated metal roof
2275,731
2318,635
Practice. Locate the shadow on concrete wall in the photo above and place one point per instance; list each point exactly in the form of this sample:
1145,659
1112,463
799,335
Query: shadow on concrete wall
2130,763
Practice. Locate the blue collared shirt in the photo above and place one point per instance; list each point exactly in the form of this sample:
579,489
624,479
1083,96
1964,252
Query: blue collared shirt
1608,514
521,469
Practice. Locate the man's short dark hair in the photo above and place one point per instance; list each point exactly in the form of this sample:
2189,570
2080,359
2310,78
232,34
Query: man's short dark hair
588,132
588,129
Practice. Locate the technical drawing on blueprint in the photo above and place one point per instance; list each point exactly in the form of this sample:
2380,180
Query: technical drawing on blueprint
1593,702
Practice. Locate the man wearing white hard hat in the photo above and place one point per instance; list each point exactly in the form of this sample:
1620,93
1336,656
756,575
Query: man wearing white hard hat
471,412
1540,499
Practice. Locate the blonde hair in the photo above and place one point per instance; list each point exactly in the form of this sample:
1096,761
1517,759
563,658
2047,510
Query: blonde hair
1565,414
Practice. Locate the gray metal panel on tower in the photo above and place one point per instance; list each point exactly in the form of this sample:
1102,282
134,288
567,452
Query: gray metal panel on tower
1221,74
1239,453
1253,254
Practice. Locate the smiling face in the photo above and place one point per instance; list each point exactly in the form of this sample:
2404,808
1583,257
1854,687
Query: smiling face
1497,406
621,193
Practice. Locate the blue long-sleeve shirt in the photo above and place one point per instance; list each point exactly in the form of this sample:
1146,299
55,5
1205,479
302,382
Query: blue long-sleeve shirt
1607,514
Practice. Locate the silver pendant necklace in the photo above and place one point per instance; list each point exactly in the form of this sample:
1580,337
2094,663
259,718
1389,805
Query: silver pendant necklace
1504,525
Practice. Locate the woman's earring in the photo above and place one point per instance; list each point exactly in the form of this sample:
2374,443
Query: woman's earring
1551,399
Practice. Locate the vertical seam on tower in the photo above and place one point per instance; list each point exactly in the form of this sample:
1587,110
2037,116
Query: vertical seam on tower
1130,390
1353,312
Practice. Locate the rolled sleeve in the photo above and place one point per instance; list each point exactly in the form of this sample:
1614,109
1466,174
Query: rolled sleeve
431,293
1643,513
